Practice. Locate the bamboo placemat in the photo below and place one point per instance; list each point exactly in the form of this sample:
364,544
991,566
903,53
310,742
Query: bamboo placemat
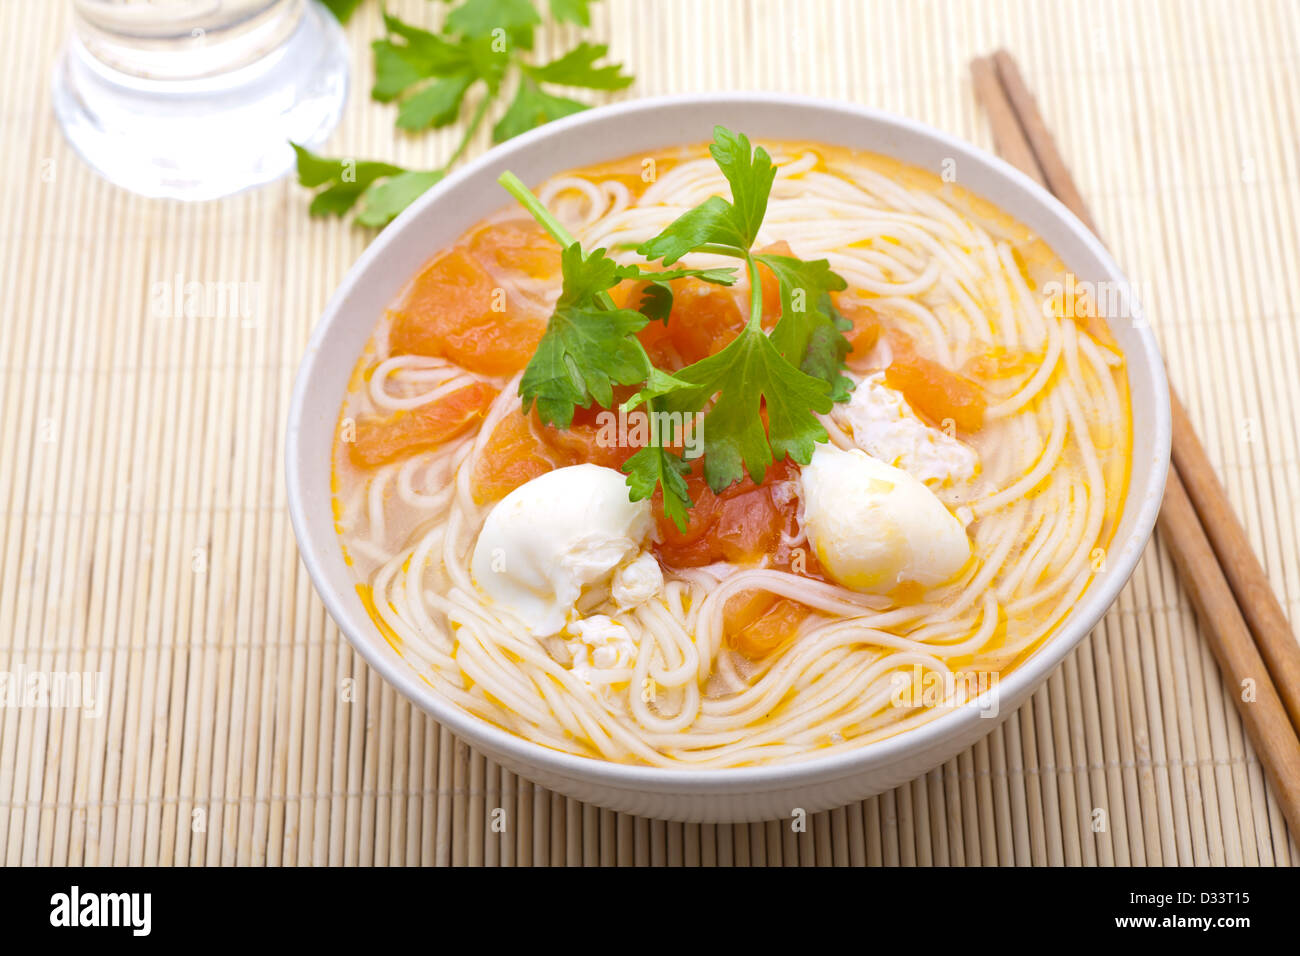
144,534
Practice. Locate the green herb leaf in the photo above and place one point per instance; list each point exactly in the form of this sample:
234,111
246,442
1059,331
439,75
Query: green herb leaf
343,9
383,201
760,395
336,200
436,105
383,189
750,173
719,276
584,352
432,74
709,222
395,71
742,380
585,276
734,224
578,68
422,55
586,349
314,170
477,18
654,466
826,353
347,179
810,332
656,302
531,108
572,11
488,61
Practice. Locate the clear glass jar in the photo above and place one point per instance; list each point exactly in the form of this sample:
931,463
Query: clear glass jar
195,99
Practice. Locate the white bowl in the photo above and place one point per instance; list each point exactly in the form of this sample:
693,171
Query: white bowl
470,194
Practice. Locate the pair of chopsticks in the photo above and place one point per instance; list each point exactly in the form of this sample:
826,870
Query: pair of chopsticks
1246,626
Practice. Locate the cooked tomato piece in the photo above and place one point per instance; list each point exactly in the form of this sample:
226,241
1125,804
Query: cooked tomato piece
512,456
933,390
767,630
749,524
627,294
518,244
381,440
447,312
866,326
743,609
523,447
704,318
593,437
740,524
583,442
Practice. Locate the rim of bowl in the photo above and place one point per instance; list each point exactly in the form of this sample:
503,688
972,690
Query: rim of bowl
1143,502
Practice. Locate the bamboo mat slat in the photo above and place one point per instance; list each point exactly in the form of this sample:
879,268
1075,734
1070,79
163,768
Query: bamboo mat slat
144,534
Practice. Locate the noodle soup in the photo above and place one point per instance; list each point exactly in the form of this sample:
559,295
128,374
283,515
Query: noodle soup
969,486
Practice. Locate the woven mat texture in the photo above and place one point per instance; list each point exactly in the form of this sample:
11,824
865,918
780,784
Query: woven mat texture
144,533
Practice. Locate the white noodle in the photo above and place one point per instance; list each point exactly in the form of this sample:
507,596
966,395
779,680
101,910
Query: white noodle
1051,454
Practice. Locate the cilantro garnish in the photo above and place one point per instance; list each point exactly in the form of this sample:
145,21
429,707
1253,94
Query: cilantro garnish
809,332
586,349
342,9
432,76
717,225
589,345
759,395
655,466
744,379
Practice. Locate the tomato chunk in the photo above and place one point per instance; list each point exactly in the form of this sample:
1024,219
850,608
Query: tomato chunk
593,435
704,318
739,524
866,326
762,623
382,440
512,456
522,447
933,390
520,245
448,312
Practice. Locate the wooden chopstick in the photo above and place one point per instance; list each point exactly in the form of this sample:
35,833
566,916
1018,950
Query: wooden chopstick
1052,170
1239,659
1008,137
1210,549
1255,597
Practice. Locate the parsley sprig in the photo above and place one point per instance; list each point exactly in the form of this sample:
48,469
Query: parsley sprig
760,395
590,345
434,77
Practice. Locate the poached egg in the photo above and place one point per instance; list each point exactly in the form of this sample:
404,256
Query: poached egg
557,534
874,527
